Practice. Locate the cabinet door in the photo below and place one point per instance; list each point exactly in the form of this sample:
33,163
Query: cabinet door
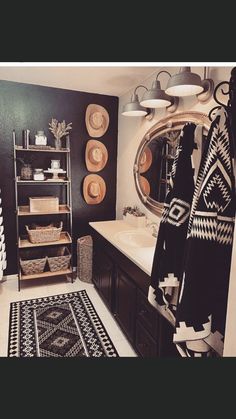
144,343
102,274
125,303
147,315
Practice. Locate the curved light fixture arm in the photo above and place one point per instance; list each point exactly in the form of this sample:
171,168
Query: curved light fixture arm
208,86
140,85
162,71
174,100
150,111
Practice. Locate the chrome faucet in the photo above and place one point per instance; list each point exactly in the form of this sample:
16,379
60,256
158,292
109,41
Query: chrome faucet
154,228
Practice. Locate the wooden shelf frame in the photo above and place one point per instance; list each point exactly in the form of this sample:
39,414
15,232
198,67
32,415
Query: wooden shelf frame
24,243
24,211
42,182
46,274
34,150
65,210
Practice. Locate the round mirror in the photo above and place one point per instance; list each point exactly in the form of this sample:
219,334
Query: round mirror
156,154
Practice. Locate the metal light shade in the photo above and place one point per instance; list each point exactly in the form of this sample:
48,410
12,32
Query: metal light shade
184,83
155,97
134,108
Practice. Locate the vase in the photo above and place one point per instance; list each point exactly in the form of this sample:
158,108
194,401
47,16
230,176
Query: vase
58,143
26,172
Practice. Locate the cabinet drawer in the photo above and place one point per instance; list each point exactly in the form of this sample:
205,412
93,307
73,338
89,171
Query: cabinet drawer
147,315
145,344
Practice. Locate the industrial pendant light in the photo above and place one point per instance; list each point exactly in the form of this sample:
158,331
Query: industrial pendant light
184,83
134,108
156,97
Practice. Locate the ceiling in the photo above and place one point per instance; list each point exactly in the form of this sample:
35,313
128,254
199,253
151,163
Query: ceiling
108,80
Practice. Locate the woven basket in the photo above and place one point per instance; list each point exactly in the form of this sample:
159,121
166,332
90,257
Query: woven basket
34,266
44,234
59,263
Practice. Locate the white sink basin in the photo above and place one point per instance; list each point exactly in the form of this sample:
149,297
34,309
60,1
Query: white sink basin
136,239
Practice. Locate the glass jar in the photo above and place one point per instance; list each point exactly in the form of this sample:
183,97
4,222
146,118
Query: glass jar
38,174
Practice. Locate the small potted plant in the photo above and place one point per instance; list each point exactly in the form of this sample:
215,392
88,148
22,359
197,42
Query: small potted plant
59,130
134,216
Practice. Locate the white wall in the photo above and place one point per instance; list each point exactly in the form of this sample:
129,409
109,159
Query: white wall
131,131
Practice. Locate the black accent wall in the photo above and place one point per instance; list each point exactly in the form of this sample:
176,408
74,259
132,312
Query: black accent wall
26,106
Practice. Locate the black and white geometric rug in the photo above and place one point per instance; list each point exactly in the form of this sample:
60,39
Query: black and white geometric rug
65,325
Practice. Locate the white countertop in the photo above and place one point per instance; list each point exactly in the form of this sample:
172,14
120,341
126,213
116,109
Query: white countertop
142,257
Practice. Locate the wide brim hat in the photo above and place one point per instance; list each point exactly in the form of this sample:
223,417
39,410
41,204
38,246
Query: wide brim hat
94,189
96,120
145,160
96,156
144,185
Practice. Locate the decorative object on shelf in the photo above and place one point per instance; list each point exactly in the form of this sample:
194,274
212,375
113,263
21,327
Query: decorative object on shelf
96,120
55,173
38,174
60,261
34,266
145,160
25,138
46,234
40,138
59,130
43,203
145,185
41,147
96,155
94,189
55,164
26,170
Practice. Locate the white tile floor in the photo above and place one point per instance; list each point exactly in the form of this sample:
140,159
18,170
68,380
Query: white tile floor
9,293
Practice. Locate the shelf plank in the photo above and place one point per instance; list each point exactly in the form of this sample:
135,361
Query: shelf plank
49,150
25,211
64,239
46,274
41,182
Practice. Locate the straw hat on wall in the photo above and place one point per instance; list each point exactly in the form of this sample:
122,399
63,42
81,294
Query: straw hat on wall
145,185
145,160
96,120
94,189
96,156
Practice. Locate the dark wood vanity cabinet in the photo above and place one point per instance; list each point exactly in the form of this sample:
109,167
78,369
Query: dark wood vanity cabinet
147,327
125,303
103,271
124,287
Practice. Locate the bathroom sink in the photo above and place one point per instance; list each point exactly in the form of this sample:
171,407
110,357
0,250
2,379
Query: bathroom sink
134,238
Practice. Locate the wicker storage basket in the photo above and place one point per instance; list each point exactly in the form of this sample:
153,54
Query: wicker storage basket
59,263
34,266
44,234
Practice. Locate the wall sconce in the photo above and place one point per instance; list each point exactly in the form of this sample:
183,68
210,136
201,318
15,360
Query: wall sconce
156,97
186,83
134,108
